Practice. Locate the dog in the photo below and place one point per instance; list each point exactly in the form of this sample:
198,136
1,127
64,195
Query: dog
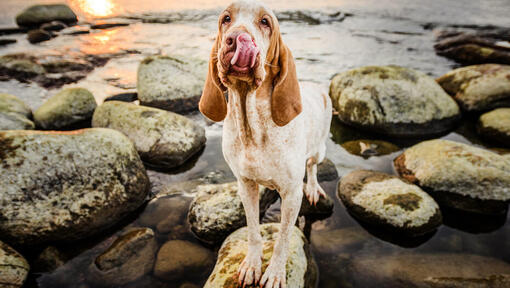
274,130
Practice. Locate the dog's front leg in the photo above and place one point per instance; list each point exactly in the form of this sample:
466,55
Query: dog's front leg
275,274
250,269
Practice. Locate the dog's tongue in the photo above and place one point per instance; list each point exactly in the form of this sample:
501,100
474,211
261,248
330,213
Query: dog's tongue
246,51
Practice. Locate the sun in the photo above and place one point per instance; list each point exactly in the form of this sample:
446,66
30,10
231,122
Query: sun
95,8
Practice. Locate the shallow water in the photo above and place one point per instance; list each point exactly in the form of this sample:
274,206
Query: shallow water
372,33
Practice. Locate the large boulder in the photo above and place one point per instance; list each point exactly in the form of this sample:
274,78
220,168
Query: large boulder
389,202
458,175
67,185
479,87
70,108
13,267
14,114
301,267
393,100
495,126
171,83
217,210
162,138
39,14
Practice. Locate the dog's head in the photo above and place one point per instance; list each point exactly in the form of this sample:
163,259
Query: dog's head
249,53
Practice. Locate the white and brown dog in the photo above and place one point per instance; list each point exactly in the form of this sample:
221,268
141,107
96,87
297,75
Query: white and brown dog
274,129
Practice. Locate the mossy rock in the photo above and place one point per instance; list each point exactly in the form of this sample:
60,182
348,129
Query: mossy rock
495,126
36,15
13,267
14,114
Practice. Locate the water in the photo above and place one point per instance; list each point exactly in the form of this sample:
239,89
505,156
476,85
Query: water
372,33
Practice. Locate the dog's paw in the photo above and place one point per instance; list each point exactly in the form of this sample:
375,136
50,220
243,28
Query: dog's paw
274,277
313,193
250,270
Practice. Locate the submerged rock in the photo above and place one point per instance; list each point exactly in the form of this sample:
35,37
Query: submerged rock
38,35
393,100
14,114
387,201
301,268
53,26
162,138
217,210
495,126
49,260
479,87
4,42
458,175
22,64
67,109
13,267
369,148
330,243
67,185
171,83
40,14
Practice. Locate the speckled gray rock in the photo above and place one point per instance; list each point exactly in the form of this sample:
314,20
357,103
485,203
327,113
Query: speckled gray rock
14,114
393,100
67,185
495,126
162,138
479,87
389,202
171,83
13,267
217,210
301,267
40,14
130,257
458,175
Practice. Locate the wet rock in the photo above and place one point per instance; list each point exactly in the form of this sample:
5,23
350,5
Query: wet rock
40,14
171,83
53,26
13,267
167,214
64,65
458,175
162,138
393,100
14,114
124,97
479,87
63,186
369,148
67,109
425,270
129,258
4,42
329,243
76,30
217,210
495,126
326,171
301,269
178,258
385,200
311,17
22,64
108,25
323,208
12,30
49,260
38,35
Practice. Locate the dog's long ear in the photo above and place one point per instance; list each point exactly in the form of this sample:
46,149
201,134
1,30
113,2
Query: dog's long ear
212,103
286,98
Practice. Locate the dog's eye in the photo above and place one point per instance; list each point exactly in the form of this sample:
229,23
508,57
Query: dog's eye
264,22
226,19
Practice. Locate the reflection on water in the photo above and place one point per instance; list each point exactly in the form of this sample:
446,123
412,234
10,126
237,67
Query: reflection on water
93,8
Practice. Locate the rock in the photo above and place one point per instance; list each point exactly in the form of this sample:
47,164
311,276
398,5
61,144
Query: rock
479,87
63,186
124,97
38,35
4,42
108,25
129,258
393,100
329,243
301,268
61,66
369,148
12,30
162,138
40,14
495,126
217,210
493,281
53,26
171,83
49,260
423,270
176,258
67,109
326,171
167,214
14,114
323,208
13,267
21,64
389,202
458,175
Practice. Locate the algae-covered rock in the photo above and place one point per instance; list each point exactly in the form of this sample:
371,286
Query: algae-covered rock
171,83
495,126
458,175
479,87
162,138
67,185
13,267
40,14
68,108
301,268
392,100
14,114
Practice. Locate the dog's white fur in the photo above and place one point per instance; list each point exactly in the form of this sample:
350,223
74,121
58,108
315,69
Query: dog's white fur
259,151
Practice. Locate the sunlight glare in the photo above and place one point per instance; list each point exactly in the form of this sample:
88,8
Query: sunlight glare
95,8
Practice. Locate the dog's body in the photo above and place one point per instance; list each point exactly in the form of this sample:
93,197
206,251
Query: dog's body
273,130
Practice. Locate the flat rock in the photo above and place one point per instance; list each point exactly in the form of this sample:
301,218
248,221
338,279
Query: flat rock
13,267
368,148
14,114
162,138
393,100
458,175
53,26
36,15
171,83
66,109
38,35
495,126
21,63
479,87
390,202
4,42
108,25
124,97
63,186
